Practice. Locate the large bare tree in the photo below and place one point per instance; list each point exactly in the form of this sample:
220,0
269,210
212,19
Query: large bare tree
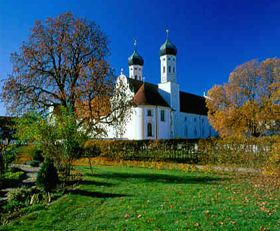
64,62
249,103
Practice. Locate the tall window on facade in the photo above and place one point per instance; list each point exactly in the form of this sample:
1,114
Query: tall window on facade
149,113
163,69
136,77
169,69
149,129
186,131
173,69
162,115
195,132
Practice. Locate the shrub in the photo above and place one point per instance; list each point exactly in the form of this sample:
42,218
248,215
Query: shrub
38,155
7,156
15,176
18,194
33,163
47,177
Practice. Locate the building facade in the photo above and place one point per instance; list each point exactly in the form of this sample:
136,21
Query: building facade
162,111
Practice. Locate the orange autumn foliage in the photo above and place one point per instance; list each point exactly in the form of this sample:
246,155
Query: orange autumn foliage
249,103
65,62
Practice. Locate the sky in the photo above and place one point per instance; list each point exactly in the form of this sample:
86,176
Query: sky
212,36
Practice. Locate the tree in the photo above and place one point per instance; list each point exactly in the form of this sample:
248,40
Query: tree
60,140
249,103
64,63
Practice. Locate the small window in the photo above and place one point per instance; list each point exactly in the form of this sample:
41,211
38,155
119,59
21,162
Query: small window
195,132
162,115
169,69
202,121
163,59
173,59
168,58
149,129
173,69
186,118
194,119
149,113
136,77
164,69
135,68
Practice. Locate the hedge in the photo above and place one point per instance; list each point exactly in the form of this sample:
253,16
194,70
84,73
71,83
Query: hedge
177,150
252,152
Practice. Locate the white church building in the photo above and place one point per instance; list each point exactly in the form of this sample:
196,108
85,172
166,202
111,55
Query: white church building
162,111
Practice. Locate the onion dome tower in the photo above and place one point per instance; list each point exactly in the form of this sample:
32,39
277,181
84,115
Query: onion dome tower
135,64
167,53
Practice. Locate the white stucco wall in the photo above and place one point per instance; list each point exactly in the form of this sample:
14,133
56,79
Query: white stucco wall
135,72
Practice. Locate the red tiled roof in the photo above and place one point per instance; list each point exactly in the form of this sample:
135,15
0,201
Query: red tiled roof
147,94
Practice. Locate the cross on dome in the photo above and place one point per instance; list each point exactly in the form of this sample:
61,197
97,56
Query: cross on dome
167,30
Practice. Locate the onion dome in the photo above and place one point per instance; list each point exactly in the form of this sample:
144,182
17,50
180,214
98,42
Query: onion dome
167,48
135,59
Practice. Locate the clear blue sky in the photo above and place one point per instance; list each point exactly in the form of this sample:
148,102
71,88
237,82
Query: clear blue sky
212,36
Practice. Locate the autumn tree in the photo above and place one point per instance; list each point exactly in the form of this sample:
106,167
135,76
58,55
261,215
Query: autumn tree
64,62
249,103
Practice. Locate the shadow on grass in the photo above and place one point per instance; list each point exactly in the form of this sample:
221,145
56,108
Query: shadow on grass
96,194
162,178
91,182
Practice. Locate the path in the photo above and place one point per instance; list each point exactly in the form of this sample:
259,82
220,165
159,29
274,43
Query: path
31,175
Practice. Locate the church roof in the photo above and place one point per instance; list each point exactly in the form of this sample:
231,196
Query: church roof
147,94
191,103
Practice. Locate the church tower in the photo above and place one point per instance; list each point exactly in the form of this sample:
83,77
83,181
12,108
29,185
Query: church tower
168,54
135,64
169,88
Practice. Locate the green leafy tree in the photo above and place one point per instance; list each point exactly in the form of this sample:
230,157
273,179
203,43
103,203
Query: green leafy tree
59,139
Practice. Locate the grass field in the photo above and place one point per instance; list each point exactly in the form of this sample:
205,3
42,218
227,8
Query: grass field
125,198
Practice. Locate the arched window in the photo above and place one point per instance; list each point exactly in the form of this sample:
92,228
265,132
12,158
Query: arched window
186,131
149,129
195,132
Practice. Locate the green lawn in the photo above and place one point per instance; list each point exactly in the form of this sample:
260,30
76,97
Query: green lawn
125,198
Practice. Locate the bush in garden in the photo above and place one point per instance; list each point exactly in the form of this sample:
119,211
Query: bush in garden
18,194
7,156
47,177
38,155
